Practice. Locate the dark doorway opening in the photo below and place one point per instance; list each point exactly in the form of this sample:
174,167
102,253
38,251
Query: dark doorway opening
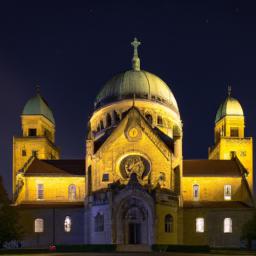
134,233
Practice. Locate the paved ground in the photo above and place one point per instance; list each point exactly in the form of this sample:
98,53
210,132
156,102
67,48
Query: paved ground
139,254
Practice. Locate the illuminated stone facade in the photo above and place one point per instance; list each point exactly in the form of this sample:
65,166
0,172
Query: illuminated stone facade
133,186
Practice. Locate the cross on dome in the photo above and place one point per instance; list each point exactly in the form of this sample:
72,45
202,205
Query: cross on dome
38,89
229,90
135,59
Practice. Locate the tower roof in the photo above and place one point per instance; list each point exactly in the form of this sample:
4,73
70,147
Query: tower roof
37,105
230,107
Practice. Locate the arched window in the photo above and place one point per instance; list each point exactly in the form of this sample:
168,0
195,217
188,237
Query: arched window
39,225
168,223
196,192
101,125
116,117
72,192
99,222
149,118
159,120
199,225
67,224
108,120
227,225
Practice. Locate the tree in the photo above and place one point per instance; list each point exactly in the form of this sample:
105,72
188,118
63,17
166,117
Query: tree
9,228
249,231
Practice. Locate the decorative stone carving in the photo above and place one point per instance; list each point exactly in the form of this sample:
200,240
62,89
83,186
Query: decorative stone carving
134,164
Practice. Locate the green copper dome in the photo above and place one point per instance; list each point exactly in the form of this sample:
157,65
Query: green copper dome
139,84
230,107
38,106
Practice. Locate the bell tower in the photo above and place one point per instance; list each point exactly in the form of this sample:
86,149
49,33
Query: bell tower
229,136
38,135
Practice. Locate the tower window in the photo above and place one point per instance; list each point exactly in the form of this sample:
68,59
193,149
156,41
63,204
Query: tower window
227,225
168,223
199,225
72,192
232,154
105,177
67,224
23,152
234,132
32,132
40,191
39,225
227,192
149,118
47,134
34,153
159,120
99,222
196,192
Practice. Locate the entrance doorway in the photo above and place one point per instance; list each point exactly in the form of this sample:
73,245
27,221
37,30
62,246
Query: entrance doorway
134,233
134,219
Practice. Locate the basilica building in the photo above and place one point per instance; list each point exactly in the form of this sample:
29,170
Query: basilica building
133,186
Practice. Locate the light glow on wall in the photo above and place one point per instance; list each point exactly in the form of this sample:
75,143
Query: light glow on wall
67,224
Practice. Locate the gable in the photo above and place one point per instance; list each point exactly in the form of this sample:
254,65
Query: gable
134,119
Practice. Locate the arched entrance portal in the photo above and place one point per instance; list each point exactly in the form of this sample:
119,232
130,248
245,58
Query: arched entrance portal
134,220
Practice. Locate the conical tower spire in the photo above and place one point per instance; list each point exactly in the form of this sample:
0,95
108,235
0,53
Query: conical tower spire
135,59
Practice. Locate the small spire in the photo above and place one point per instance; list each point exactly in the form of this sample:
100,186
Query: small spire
135,59
229,90
37,89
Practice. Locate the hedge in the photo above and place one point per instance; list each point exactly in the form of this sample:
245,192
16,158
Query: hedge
180,248
86,248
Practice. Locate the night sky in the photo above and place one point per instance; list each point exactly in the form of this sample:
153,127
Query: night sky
197,47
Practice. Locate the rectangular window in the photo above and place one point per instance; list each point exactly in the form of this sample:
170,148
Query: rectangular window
40,191
34,153
199,225
24,153
227,225
234,132
232,154
39,225
227,192
196,192
32,132
105,177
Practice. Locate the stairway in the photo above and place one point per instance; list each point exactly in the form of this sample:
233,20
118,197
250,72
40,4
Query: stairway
133,248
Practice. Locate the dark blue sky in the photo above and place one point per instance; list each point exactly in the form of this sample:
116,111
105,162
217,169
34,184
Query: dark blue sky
197,47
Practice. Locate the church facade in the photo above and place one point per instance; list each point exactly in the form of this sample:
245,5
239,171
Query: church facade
133,187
